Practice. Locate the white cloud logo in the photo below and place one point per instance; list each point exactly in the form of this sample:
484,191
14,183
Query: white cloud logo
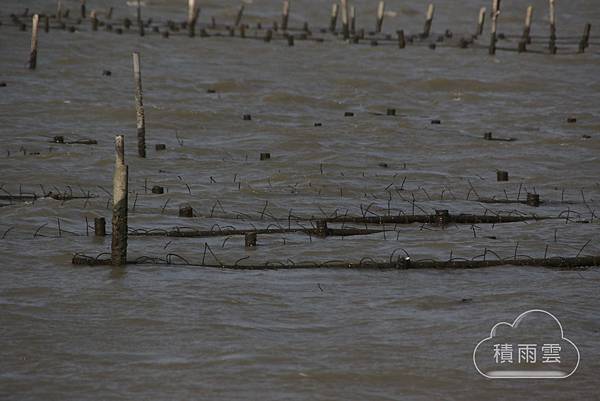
532,347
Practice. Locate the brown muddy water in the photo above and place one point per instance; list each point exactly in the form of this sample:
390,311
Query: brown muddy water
156,331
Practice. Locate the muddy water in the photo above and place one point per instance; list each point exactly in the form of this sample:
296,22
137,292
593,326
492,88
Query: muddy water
181,332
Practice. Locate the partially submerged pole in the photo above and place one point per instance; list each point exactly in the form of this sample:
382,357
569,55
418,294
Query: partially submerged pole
139,106
192,23
119,216
34,42
334,15
428,21
480,21
552,44
495,14
191,11
352,20
94,20
240,13
527,29
139,12
380,13
285,15
585,39
345,25
82,8
401,39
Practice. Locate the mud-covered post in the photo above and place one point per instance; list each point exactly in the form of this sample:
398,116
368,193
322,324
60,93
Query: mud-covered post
34,42
428,21
552,11
495,14
380,13
585,39
240,13
480,21
139,106
119,217
285,15
334,15
345,22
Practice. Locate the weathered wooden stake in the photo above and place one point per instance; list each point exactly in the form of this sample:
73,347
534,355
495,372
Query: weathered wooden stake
480,21
495,14
34,42
285,15
401,39
552,44
119,216
240,13
99,226
192,23
527,28
139,106
380,12
334,15
94,20
345,25
428,21
585,39
352,20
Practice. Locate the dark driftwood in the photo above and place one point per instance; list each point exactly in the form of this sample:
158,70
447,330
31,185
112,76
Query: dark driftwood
400,263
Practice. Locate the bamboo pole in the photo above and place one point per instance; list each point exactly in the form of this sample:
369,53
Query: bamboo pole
285,15
34,42
119,216
345,25
495,14
380,13
139,106
428,21
334,15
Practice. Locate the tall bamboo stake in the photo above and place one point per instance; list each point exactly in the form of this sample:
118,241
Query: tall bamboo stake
495,14
119,216
139,106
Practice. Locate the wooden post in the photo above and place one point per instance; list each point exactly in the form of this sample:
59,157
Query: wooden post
99,226
585,39
139,106
119,216
94,20
380,12
82,8
495,14
34,42
334,15
527,29
352,20
480,21
192,23
285,15
345,25
240,13
401,39
46,23
552,44
191,11
428,21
